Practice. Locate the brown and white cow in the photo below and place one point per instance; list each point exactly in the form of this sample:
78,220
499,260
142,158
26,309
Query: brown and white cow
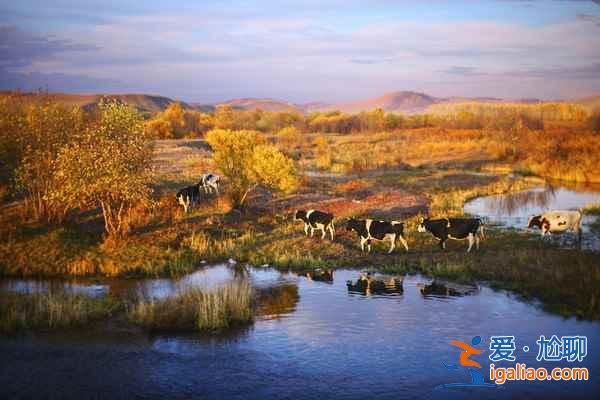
557,222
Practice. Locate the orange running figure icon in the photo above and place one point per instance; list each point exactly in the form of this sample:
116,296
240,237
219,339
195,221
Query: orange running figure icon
477,379
467,352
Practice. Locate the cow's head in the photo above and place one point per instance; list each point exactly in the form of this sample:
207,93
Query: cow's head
421,227
352,224
299,214
535,221
545,225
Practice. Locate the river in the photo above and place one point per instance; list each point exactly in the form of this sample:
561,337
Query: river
311,340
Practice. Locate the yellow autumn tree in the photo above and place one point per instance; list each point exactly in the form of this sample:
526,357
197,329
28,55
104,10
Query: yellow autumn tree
247,160
289,138
108,167
48,126
174,114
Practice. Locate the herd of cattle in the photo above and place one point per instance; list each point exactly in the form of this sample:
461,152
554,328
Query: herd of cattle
368,230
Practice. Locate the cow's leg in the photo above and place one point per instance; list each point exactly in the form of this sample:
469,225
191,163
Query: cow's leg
312,230
362,244
393,244
331,230
471,240
322,228
443,244
216,189
368,245
186,204
477,242
403,241
305,229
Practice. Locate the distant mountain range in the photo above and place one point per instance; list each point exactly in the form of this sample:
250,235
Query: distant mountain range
143,102
406,102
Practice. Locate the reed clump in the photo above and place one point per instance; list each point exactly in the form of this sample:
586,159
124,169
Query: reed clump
197,309
48,311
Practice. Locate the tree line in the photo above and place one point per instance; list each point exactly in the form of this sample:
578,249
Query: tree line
177,122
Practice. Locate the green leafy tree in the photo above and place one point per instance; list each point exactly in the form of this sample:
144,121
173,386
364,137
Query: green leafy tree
247,161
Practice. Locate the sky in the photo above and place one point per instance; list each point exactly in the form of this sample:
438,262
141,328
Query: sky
302,50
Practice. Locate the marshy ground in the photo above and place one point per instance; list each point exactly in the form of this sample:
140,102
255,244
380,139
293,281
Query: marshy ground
380,182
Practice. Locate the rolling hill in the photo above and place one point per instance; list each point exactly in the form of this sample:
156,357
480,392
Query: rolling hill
251,103
401,101
405,102
143,102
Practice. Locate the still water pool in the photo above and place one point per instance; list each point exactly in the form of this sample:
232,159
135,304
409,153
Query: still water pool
312,340
514,209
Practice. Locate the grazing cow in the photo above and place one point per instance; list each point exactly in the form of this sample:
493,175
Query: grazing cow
453,228
369,230
557,222
188,197
315,219
210,183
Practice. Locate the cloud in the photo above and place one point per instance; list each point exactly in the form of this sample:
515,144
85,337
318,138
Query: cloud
595,19
57,82
367,61
583,72
20,48
460,70
218,51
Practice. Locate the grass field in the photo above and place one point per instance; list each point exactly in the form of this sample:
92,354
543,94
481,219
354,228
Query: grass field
417,174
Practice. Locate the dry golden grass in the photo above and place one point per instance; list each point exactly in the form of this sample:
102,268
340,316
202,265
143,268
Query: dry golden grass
45,311
197,309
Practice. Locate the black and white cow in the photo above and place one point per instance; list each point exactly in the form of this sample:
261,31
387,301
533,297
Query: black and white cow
369,230
453,228
315,219
557,222
210,183
189,197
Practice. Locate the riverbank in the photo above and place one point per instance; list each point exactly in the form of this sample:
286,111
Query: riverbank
168,243
164,242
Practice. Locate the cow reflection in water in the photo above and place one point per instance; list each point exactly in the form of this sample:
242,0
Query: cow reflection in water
445,289
368,284
276,301
321,275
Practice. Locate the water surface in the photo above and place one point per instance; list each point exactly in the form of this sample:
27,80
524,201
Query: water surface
514,209
312,340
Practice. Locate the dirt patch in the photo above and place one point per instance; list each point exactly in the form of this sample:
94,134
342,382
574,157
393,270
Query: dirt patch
384,204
